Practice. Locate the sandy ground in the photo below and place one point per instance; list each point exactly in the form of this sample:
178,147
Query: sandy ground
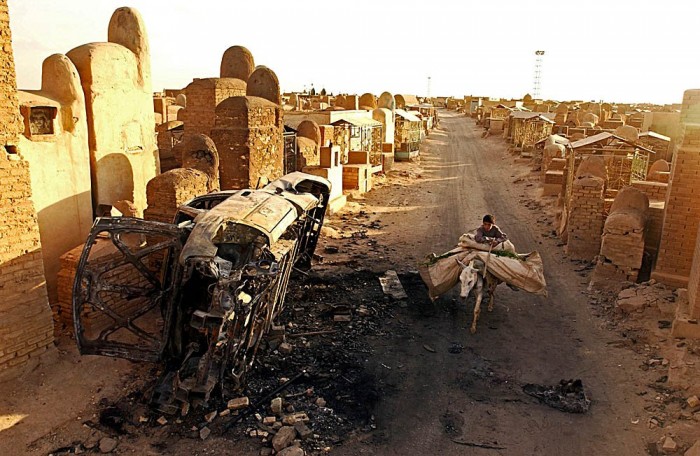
431,401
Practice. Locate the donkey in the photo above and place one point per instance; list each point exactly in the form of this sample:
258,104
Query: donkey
471,278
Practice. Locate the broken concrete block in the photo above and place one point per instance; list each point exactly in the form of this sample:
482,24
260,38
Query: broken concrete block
108,444
303,430
162,421
634,304
285,348
284,437
276,406
238,403
269,420
669,446
391,285
342,318
225,412
321,402
693,402
204,433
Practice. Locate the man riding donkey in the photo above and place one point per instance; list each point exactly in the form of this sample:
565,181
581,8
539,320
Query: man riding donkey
489,232
484,258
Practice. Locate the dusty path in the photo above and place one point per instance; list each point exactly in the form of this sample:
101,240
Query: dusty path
432,399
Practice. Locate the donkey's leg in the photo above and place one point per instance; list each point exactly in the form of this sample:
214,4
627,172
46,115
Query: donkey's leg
479,290
492,284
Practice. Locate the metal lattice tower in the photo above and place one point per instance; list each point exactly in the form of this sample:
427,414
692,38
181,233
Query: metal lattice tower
538,74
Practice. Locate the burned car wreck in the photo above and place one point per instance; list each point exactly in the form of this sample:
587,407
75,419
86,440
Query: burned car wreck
197,295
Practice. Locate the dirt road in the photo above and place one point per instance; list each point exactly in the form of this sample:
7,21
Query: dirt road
432,399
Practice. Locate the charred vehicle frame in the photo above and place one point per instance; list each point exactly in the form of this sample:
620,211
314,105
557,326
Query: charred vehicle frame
199,294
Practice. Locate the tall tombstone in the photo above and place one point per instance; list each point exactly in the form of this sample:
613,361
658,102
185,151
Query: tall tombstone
248,134
263,83
237,62
585,220
55,143
26,326
386,117
386,101
308,143
561,113
622,247
368,101
120,115
400,101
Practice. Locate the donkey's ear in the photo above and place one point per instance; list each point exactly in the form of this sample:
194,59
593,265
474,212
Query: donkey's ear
471,264
460,263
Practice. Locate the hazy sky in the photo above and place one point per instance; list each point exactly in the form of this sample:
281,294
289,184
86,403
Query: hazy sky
611,50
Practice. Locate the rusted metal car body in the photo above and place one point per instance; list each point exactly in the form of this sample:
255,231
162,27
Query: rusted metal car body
199,294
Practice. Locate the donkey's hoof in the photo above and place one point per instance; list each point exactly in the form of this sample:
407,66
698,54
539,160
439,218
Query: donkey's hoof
472,330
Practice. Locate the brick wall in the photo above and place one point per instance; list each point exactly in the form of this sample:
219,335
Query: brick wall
167,191
655,191
26,329
249,138
682,212
585,222
10,124
694,282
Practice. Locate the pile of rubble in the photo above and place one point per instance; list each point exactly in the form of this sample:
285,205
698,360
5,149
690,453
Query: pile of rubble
647,294
309,391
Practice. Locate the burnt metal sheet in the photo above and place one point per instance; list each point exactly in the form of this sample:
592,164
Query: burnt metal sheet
270,214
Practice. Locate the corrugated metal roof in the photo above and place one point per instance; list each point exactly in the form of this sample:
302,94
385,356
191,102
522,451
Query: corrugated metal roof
360,122
654,134
528,115
602,137
558,139
591,140
407,115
